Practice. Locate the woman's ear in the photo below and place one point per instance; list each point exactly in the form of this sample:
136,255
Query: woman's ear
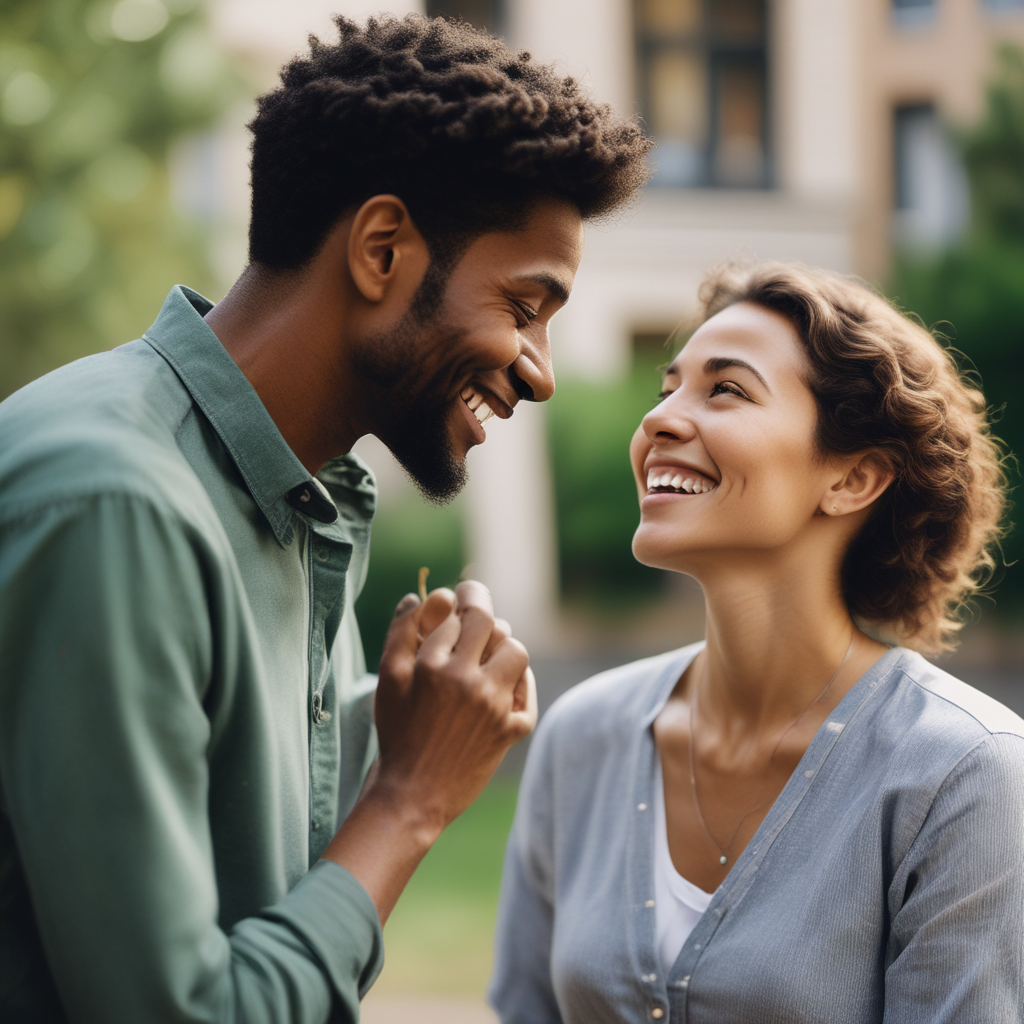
385,249
862,484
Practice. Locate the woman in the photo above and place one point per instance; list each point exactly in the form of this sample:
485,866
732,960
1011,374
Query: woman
790,821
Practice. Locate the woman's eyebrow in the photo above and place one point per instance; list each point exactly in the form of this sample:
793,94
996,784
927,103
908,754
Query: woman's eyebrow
718,363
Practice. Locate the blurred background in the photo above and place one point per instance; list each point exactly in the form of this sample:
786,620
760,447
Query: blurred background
879,137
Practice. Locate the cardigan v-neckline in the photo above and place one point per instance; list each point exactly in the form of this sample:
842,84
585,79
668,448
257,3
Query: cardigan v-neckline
735,885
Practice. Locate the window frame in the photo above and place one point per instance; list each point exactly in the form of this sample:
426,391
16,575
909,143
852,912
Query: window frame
714,51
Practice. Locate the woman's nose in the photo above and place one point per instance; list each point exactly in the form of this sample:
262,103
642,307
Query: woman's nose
669,420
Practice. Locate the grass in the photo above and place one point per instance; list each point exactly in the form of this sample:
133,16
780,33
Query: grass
439,939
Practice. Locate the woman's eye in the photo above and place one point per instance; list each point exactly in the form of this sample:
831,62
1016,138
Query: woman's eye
724,387
662,395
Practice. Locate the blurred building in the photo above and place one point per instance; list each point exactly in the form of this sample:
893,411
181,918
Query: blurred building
815,130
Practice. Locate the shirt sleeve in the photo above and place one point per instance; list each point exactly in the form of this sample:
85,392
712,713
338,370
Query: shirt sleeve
956,942
521,989
107,646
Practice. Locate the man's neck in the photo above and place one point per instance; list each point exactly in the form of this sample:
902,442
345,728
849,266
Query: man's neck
282,331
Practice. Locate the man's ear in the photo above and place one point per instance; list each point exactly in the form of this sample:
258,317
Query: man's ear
863,483
386,251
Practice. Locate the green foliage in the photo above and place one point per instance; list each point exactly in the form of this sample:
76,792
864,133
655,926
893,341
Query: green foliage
406,536
993,154
92,98
591,424
974,292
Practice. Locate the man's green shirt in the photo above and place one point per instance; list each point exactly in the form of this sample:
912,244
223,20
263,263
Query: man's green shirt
185,714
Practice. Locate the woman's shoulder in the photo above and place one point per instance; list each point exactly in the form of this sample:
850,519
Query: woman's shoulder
619,697
946,703
937,727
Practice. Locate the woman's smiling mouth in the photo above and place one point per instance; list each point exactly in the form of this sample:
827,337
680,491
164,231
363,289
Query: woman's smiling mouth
677,481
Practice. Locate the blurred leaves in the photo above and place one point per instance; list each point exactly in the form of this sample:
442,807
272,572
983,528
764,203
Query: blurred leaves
92,97
974,291
994,155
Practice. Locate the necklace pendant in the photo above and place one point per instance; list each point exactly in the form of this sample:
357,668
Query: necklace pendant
722,859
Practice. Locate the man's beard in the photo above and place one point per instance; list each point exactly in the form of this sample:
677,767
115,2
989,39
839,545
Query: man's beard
423,445
418,432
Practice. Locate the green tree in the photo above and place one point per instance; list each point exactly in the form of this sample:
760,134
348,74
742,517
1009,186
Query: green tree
974,291
92,98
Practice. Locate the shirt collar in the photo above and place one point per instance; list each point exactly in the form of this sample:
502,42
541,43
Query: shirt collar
277,480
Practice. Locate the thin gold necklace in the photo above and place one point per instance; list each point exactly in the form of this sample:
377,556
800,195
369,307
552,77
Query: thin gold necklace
724,850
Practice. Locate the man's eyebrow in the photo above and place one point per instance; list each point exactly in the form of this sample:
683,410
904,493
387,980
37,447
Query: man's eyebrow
718,363
555,286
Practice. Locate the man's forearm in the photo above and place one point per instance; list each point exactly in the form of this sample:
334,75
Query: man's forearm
382,842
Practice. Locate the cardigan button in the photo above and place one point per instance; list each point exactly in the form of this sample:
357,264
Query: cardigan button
657,1013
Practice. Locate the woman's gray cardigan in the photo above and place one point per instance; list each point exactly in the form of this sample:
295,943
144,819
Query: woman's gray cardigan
885,884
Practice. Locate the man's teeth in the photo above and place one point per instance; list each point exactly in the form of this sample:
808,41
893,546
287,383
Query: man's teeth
688,484
477,406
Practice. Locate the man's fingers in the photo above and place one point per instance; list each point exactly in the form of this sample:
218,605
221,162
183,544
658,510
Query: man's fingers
508,663
401,642
437,607
501,631
525,691
436,649
473,594
403,628
523,718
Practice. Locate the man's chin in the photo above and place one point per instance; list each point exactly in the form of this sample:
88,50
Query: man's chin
438,474
438,491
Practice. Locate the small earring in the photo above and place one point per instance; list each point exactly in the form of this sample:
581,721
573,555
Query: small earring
835,508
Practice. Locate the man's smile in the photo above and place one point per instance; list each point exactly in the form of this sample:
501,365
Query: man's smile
477,404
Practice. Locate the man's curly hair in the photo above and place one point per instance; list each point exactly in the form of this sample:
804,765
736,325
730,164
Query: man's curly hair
464,130
883,384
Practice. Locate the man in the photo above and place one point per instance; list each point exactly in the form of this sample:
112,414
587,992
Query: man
185,720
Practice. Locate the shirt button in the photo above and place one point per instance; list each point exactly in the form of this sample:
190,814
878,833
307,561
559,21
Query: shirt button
316,825
641,807
649,903
657,1013
321,554
808,773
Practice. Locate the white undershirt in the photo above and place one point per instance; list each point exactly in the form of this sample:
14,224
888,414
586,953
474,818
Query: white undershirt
678,903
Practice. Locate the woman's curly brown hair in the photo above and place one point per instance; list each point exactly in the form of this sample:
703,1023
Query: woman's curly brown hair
883,384
464,130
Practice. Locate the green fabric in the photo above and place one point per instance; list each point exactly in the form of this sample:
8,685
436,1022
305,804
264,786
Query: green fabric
185,714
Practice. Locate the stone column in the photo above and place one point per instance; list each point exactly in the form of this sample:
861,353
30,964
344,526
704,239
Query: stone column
510,525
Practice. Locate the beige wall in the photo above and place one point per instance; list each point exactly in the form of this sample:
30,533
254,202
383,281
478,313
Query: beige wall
946,63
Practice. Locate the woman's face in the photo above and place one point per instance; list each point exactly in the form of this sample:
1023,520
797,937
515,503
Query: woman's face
726,462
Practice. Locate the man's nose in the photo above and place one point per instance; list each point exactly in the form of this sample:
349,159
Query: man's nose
532,374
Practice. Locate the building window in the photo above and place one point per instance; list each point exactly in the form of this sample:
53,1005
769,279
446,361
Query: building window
704,90
486,14
931,195
911,13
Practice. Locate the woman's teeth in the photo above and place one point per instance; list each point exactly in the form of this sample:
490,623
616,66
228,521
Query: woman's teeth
477,406
674,481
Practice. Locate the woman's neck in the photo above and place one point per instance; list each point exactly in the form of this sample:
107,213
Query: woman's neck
776,634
